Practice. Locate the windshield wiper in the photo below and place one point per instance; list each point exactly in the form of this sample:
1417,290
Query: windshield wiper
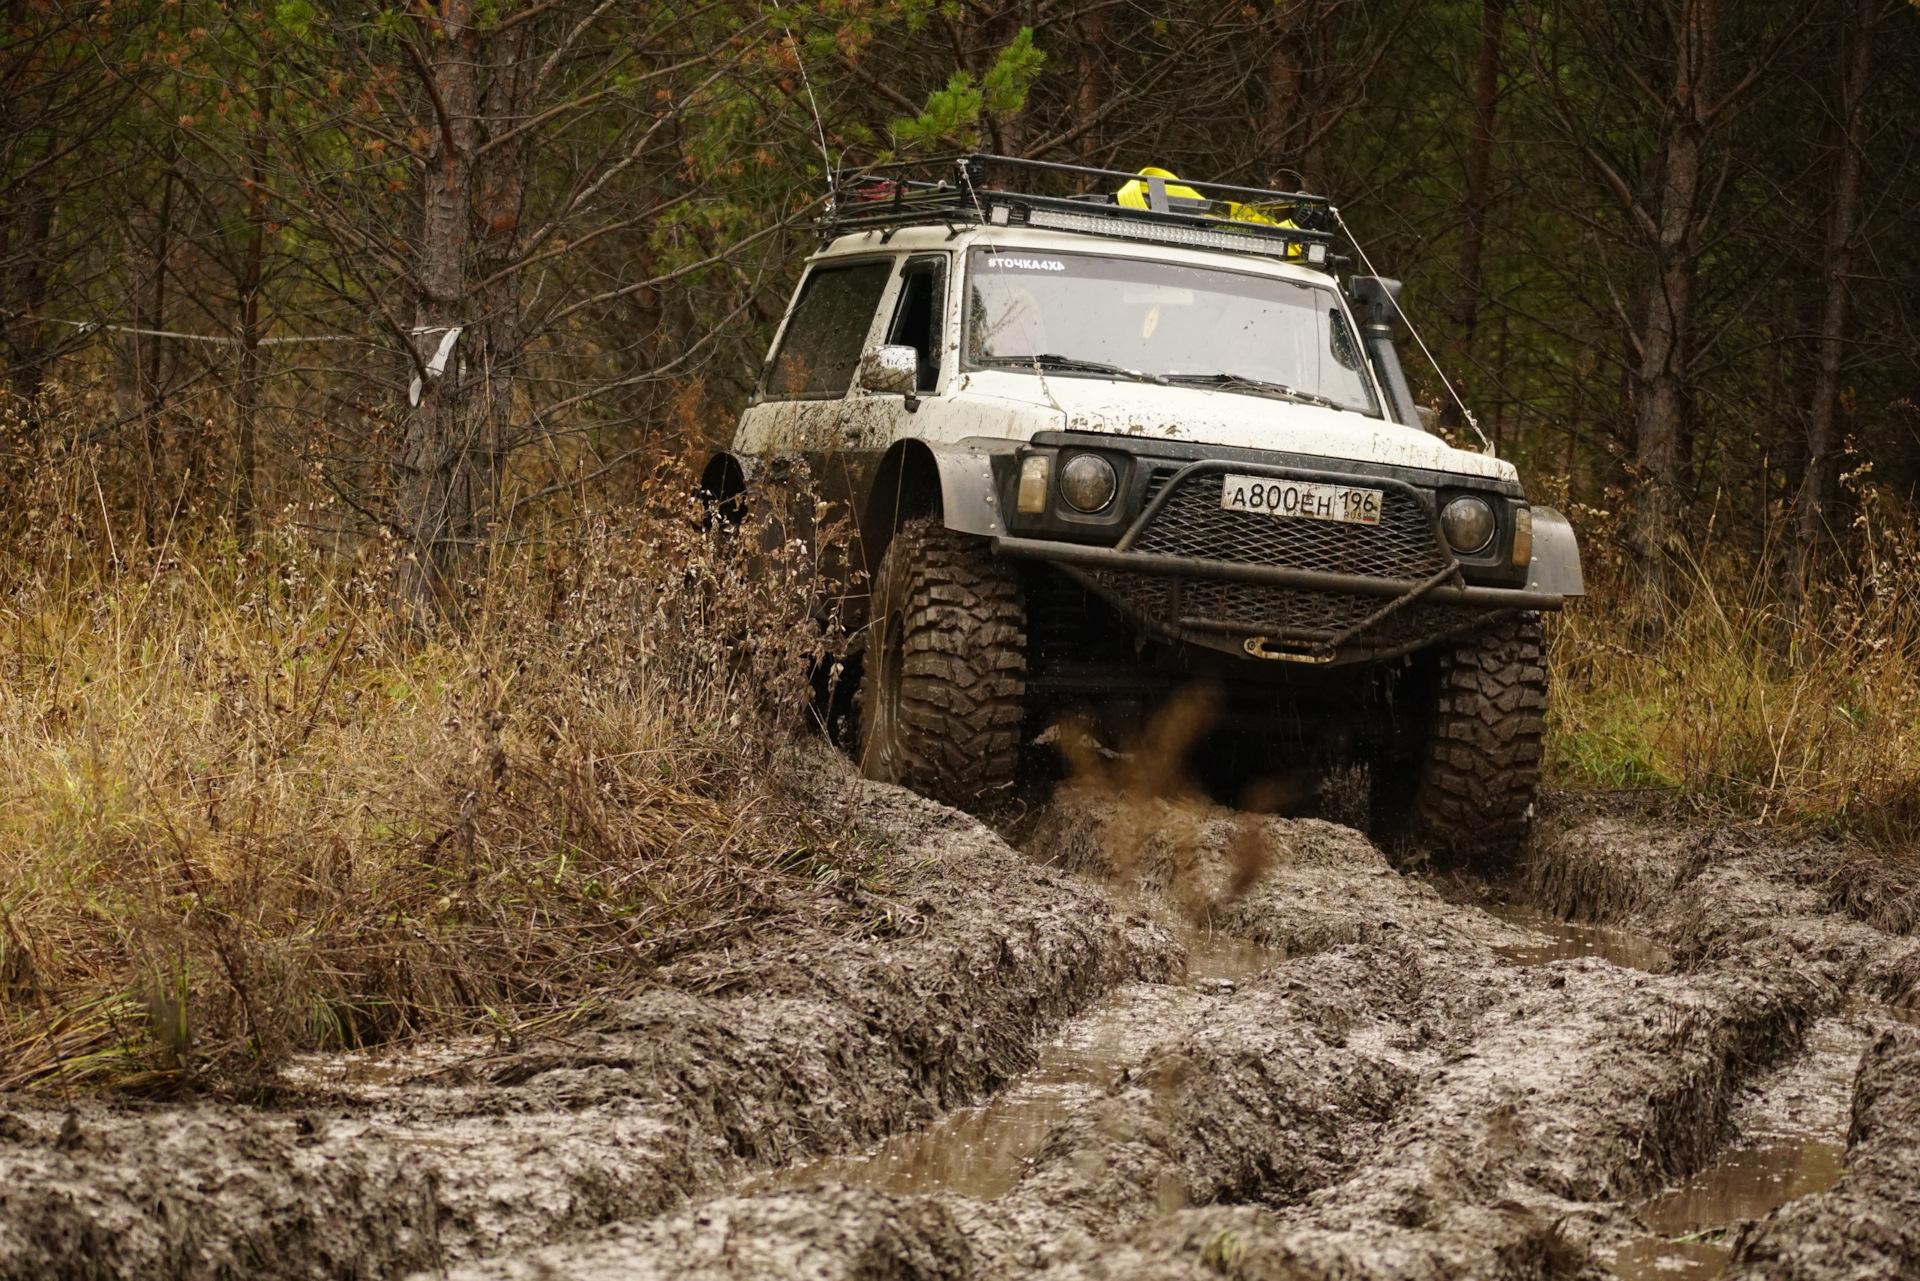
1243,382
1075,365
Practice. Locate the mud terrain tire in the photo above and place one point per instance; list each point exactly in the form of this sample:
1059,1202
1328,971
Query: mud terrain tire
1481,767
943,693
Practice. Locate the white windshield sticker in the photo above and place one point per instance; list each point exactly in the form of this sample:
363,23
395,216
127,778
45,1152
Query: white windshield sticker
1005,263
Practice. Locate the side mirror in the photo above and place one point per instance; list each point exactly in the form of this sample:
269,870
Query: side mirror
890,370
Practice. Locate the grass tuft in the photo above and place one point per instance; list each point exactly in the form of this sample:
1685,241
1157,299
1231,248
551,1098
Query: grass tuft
1809,717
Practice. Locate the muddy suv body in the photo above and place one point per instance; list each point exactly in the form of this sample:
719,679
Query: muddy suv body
1098,446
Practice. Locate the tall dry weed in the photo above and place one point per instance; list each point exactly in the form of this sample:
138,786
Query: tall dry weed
246,809
1752,711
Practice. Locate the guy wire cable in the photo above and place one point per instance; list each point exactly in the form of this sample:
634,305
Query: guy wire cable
1486,446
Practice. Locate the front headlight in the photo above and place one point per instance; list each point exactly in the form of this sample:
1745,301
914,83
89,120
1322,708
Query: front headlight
1088,483
1468,524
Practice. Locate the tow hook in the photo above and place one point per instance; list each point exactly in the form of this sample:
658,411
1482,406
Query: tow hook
1257,646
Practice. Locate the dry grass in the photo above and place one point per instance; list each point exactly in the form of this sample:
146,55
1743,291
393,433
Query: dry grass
245,810
1813,720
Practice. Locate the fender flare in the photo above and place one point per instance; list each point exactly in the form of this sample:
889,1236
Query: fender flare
1556,555
955,482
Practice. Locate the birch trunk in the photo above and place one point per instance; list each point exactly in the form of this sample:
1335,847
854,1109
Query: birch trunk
441,474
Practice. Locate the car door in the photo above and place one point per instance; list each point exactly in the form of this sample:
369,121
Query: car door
806,399
801,401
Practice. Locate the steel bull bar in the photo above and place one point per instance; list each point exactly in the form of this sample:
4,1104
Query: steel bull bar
1445,587
1228,571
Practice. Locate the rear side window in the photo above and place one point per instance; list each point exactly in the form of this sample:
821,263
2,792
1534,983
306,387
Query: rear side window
827,330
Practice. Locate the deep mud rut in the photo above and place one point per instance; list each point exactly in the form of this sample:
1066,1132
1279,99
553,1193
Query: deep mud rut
1660,1052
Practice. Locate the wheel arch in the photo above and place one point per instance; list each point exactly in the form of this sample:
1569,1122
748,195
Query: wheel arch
723,485
954,483
906,485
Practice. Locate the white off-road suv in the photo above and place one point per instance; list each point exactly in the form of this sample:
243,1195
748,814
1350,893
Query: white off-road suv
1105,435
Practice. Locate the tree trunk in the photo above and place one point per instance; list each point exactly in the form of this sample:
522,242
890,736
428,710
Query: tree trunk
501,182
152,514
1661,376
1280,117
1091,95
441,475
26,246
1814,502
247,395
1318,102
1479,174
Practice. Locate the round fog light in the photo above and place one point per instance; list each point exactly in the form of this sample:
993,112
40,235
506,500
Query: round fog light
1087,482
1468,525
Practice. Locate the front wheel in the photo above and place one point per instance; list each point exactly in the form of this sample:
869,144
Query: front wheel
942,696
1479,768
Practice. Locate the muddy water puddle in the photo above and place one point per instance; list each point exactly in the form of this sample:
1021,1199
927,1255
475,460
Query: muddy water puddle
983,1151
1565,941
1697,1218
1793,1129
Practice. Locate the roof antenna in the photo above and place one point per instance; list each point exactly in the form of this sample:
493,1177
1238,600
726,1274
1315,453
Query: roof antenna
1486,446
812,102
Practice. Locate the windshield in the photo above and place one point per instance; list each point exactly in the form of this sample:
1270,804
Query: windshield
1074,313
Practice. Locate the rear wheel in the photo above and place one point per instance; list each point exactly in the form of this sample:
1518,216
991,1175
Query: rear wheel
1479,769
943,688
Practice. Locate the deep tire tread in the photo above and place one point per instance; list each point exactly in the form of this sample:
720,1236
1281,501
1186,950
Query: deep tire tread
963,663
1482,769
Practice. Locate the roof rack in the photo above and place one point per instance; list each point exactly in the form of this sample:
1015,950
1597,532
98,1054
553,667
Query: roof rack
962,190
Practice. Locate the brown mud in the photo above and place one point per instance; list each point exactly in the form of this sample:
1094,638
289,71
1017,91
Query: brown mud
1868,1223
1660,1052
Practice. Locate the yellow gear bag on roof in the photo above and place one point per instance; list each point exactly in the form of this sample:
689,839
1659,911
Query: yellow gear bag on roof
1133,195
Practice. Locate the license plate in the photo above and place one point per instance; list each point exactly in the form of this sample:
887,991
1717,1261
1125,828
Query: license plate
1302,499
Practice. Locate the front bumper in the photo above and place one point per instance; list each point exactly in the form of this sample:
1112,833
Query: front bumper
1268,587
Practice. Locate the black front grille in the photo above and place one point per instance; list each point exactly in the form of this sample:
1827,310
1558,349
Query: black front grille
1192,523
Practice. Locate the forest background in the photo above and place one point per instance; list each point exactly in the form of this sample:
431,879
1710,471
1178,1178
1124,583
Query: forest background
361,671
432,295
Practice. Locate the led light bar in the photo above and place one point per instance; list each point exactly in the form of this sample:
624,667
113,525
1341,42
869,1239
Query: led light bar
1196,237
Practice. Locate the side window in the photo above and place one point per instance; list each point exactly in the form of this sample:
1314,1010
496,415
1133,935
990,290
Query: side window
918,313
827,330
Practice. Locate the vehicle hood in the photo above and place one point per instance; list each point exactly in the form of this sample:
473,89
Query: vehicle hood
1208,416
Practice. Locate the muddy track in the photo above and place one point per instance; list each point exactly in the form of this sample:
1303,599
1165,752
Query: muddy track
821,1039
1396,1097
1389,1081
1868,1224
